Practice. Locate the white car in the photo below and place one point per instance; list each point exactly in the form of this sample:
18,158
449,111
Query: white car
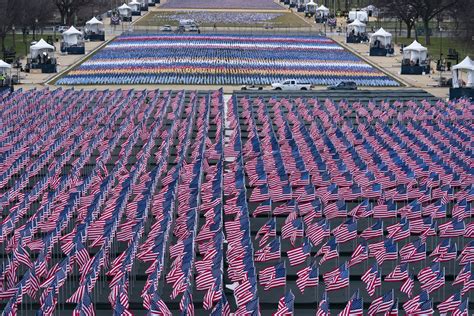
166,28
252,87
291,85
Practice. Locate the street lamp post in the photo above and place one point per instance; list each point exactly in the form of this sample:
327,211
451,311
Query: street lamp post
441,42
14,42
441,64
24,40
34,29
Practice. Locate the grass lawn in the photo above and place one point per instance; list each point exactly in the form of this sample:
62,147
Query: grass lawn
434,48
223,19
22,47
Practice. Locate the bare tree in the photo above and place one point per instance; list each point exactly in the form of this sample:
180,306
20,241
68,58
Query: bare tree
8,12
428,9
67,8
403,10
463,15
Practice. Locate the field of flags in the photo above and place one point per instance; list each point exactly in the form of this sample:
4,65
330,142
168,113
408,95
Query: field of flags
223,59
130,202
222,4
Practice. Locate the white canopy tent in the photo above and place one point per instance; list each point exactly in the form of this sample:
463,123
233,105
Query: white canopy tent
382,36
134,5
357,26
94,25
4,67
124,10
41,47
72,36
415,52
311,6
467,65
371,10
358,15
322,11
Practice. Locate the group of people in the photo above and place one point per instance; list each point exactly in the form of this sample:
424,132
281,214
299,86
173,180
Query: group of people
224,60
357,36
43,58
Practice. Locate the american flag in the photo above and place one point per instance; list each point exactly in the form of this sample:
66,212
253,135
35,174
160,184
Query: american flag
266,231
467,254
308,277
360,210
360,254
382,304
400,230
415,303
323,308
372,279
270,251
374,231
400,273
386,210
450,254
429,273
222,308
346,231
453,228
286,305
462,309
273,276
329,251
407,286
298,255
337,279
293,229
317,231
464,274
354,306
263,208
389,251
413,252
450,304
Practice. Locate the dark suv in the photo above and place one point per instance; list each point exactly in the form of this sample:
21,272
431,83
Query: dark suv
344,85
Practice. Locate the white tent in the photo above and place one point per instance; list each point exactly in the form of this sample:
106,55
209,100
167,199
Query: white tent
311,5
4,66
372,10
322,10
370,7
467,65
125,10
415,52
135,5
40,47
357,26
72,36
381,35
94,25
358,15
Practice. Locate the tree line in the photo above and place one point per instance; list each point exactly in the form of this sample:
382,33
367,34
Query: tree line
411,12
31,14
